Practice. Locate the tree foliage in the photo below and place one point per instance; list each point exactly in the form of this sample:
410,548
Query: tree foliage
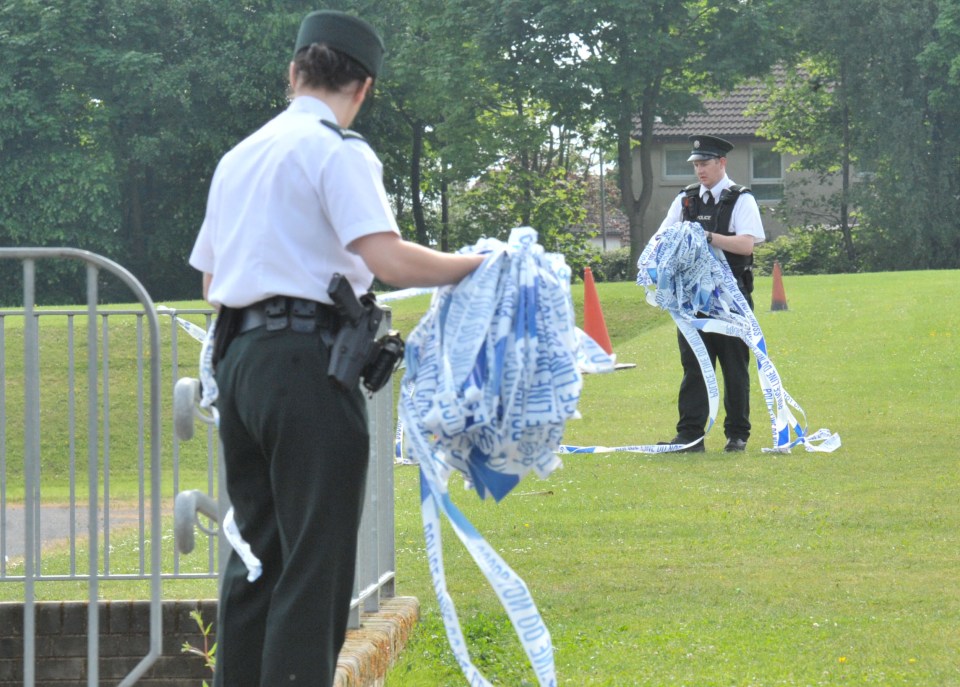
873,87
113,114
551,202
647,60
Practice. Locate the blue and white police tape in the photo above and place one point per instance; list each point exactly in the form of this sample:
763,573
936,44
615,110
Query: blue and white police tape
509,587
494,365
682,274
591,359
492,377
206,337
240,545
208,384
194,330
208,397
828,438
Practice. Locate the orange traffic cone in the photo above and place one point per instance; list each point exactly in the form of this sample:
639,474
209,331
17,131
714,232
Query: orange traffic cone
779,301
593,323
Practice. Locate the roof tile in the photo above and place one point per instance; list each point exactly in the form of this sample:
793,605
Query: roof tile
723,116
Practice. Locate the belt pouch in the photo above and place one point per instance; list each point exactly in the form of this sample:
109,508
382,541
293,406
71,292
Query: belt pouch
303,316
275,310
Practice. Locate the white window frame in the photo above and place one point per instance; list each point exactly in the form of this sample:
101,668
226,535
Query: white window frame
754,180
665,175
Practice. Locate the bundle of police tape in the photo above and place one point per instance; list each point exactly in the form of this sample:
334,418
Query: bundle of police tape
683,275
493,374
491,379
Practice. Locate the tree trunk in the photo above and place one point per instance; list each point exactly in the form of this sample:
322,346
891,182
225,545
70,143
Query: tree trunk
136,236
444,216
845,189
845,174
526,167
416,157
635,207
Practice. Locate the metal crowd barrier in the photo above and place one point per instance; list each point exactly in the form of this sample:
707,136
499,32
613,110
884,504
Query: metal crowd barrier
132,374
97,444
375,577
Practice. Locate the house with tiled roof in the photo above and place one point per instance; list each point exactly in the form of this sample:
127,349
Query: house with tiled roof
752,162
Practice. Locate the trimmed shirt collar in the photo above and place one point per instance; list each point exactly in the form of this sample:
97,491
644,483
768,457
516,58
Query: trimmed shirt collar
721,186
310,105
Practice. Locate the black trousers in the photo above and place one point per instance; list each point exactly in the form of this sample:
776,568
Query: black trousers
296,449
693,404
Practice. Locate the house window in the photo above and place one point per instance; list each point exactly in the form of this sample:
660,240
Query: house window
675,162
865,170
766,173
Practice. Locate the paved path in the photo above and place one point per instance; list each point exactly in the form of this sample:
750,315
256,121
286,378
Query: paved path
55,525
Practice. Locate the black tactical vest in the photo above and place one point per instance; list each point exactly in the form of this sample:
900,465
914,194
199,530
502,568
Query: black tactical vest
716,218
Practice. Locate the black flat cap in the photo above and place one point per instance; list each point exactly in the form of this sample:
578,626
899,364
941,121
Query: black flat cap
708,147
343,32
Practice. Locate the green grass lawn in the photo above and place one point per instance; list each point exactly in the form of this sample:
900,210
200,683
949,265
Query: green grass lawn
717,569
710,569
119,432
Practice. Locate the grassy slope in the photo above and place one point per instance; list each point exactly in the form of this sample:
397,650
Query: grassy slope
119,433
703,570
804,569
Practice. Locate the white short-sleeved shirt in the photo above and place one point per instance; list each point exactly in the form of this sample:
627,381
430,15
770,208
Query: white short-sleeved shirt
744,220
284,204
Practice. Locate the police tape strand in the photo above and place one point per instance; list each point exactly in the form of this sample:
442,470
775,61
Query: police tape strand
493,372
491,378
706,278
683,275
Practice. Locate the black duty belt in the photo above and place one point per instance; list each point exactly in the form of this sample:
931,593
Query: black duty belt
280,312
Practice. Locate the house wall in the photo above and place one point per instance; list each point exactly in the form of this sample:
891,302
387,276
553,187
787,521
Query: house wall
614,241
738,168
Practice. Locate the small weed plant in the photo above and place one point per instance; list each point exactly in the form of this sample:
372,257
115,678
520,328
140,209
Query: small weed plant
209,650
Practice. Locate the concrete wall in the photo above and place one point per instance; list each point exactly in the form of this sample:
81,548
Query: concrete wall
738,169
61,643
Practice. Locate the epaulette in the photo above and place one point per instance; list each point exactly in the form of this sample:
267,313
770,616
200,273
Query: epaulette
740,188
692,187
344,133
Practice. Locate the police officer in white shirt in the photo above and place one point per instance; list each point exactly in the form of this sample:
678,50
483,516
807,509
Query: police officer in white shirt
295,203
731,217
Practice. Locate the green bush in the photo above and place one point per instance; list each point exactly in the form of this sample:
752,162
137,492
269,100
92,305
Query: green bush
816,249
613,265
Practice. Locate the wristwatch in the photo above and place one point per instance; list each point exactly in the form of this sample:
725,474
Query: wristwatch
709,237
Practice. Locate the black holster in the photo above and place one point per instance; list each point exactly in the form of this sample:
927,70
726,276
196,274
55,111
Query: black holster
744,277
228,326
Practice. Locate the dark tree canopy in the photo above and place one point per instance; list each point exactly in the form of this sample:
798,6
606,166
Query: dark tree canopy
113,114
